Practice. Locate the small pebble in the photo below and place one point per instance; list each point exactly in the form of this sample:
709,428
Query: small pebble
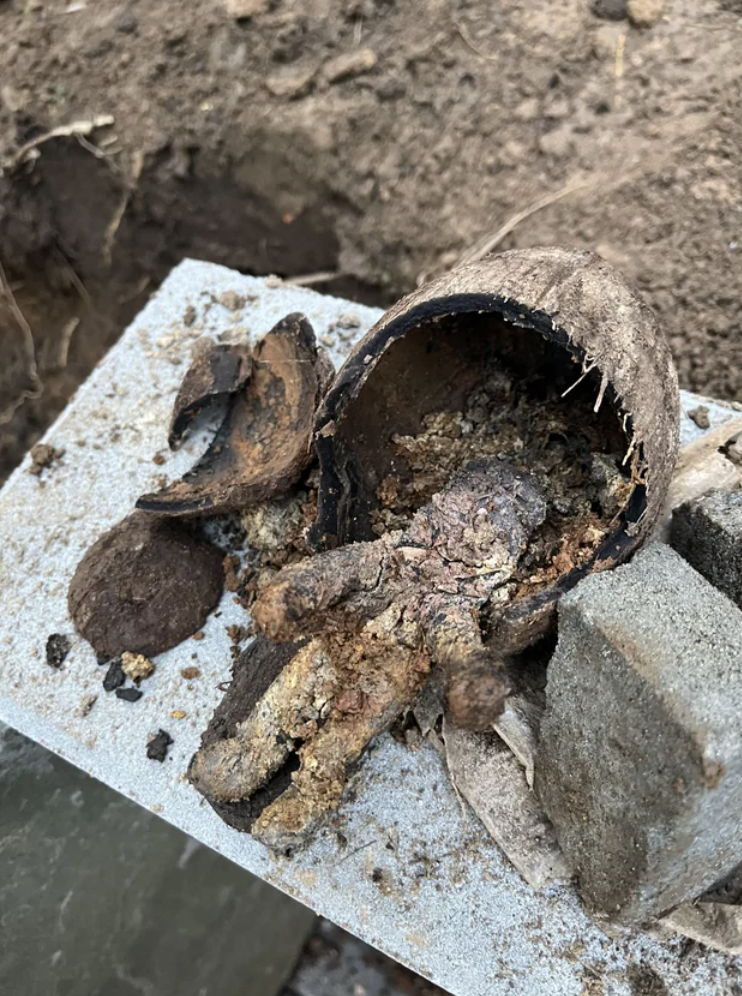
290,83
700,416
126,23
239,9
57,647
129,694
115,676
734,453
609,10
158,746
178,714
42,456
350,64
231,300
644,13
136,666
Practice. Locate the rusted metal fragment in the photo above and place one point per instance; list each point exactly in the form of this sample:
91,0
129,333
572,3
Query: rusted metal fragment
459,553
494,784
310,726
477,684
427,352
264,444
144,586
253,672
222,369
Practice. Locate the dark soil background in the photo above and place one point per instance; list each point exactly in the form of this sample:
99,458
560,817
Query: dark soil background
372,140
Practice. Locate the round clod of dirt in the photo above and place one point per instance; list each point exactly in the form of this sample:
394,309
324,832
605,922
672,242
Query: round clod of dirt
144,586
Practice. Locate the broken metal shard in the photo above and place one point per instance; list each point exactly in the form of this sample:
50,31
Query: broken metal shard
264,444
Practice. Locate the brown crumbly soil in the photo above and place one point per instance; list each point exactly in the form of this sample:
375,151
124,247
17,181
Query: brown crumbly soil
370,138
544,424
270,536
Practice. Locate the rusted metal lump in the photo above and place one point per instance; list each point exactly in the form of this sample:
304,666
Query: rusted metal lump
544,358
497,435
144,586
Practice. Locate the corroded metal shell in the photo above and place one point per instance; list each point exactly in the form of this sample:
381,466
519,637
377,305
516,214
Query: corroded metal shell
411,361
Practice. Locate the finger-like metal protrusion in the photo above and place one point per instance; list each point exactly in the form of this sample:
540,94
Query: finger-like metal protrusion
477,684
287,713
340,587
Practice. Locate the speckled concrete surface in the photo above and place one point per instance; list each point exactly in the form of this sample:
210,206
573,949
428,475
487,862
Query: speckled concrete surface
447,903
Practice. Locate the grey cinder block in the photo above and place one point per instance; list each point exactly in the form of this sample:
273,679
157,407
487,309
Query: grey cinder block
640,760
708,533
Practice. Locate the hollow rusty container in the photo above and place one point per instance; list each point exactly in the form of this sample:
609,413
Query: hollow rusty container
551,306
